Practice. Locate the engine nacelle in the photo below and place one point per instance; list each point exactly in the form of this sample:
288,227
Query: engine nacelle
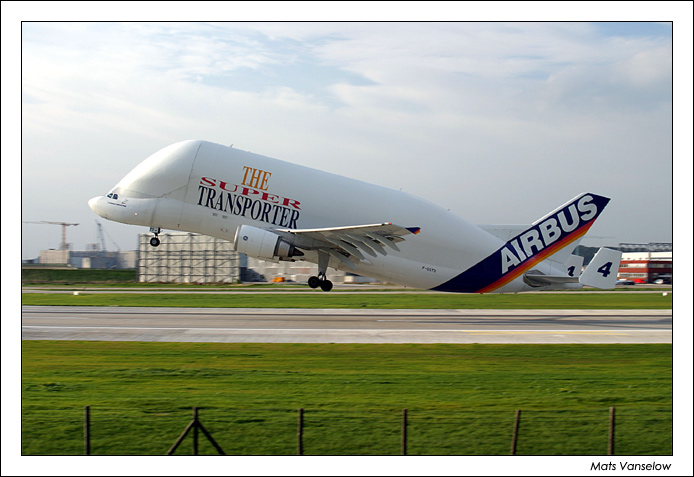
261,243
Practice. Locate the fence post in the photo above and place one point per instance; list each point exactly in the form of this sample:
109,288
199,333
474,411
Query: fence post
516,425
87,436
195,430
403,442
610,435
195,424
300,432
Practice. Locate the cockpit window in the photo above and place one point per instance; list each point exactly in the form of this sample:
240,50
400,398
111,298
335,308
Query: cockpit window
112,196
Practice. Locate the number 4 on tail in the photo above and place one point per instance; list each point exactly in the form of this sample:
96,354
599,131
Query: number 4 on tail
605,269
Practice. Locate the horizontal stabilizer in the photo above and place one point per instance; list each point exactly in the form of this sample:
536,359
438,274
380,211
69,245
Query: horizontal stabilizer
537,280
573,269
574,265
601,272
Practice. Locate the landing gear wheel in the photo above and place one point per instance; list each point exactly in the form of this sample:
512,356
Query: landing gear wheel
314,282
154,241
321,280
326,285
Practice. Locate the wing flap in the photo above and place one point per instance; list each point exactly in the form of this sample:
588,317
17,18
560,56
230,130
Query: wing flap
348,246
356,240
343,259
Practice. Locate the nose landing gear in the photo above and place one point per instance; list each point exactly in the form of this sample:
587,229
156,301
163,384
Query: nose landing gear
154,241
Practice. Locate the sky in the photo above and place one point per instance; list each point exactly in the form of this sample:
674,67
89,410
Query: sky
498,122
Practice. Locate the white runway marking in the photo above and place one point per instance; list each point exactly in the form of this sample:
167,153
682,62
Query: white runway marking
346,326
337,330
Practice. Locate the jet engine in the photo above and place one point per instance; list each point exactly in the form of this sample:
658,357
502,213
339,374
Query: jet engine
264,244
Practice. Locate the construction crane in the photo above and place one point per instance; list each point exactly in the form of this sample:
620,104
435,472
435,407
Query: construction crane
63,245
100,236
110,258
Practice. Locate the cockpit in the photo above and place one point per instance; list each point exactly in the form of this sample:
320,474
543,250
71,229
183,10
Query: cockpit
112,196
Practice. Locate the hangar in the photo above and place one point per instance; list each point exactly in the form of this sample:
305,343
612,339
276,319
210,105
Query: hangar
646,263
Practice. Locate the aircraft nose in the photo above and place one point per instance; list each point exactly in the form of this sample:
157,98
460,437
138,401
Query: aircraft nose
97,205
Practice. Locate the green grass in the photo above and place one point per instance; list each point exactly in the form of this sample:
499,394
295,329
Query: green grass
333,300
461,398
76,276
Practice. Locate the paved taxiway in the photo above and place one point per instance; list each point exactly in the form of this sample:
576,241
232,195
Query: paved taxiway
236,325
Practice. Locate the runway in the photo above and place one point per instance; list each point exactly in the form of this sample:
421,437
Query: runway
239,325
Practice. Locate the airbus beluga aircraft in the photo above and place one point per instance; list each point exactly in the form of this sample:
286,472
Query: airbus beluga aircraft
274,210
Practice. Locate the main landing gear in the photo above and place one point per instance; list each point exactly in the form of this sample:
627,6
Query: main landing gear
320,281
154,241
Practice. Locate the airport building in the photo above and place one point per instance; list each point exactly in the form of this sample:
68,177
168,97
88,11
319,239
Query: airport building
88,259
646,263
187,258
196,258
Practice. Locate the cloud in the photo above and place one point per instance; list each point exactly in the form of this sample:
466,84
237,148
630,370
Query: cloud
507,114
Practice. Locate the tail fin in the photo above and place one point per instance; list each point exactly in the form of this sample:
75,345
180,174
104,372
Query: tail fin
547,237
553,232
601,272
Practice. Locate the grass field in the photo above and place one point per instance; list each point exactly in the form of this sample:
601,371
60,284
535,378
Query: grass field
461,399
336,300
77,276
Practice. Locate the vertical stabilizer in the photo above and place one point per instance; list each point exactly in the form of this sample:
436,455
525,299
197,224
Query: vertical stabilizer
554,235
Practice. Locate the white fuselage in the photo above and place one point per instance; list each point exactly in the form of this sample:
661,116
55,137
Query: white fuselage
207,188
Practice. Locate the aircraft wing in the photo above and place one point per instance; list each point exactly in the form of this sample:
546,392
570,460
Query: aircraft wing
353,241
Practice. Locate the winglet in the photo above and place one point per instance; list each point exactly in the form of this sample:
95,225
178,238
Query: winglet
414,230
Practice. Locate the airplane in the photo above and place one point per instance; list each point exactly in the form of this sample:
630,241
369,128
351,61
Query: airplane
278,211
